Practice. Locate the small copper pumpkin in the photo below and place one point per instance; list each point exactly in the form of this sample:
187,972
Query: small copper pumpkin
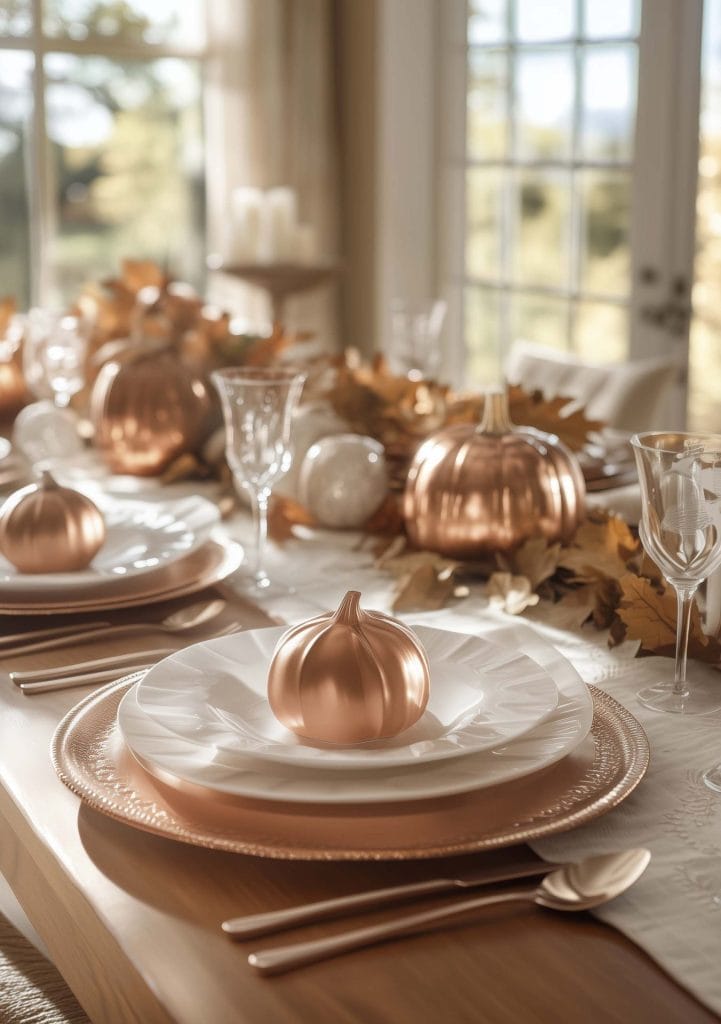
349,676
147,408
48,528
472,491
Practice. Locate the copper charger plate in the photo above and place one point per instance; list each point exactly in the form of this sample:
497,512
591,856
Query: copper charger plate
91,759
206,566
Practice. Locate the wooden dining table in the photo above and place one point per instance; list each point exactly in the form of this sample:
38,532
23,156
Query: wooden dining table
132,920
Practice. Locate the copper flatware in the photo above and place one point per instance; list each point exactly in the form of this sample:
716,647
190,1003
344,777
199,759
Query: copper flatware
101,670
84,667
108,675
52,631
581,886
178,622
253,925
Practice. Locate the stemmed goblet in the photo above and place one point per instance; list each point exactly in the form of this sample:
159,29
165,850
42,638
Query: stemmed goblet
680,477
258,404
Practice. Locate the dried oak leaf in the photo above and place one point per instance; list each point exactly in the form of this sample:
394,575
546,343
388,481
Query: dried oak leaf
602,546
513,594
283,515
531,409
536,559
424,588
650,616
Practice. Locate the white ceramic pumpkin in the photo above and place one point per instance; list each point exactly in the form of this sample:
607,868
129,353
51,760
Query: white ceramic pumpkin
343,480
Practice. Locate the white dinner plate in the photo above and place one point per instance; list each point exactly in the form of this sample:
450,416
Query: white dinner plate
142,537
162,751
215,693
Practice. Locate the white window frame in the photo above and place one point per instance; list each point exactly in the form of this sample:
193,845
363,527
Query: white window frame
41,201
664,184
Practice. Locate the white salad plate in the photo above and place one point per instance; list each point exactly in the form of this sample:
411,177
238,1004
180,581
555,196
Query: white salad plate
142,537
168,755
215,693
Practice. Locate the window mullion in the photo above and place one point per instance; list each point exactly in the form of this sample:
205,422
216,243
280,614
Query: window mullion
41,174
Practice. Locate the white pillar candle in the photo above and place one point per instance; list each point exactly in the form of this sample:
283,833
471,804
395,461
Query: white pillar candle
281,225
247,206
306,244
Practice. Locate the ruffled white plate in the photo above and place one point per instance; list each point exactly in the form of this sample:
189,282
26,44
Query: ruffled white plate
141,537
215,693
163,752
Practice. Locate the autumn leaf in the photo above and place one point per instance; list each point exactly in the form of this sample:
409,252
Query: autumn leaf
424,588
536,559
513,594
531,409
650,616
575,607
386,520
283,515
601,547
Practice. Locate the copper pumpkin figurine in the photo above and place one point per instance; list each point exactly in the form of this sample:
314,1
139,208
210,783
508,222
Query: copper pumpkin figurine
472,491
148,408
48,528
349,677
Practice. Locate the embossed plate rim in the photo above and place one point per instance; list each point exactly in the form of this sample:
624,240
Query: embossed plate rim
614,730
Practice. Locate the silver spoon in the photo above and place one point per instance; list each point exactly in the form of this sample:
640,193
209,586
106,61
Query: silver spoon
187,618
580,886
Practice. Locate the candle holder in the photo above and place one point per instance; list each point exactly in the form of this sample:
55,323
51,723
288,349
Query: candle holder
279,280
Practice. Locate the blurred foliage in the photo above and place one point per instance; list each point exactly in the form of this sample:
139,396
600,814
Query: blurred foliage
125,144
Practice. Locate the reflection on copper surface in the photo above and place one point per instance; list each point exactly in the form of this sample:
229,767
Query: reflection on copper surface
349,677
146,410
47,528
90,758
474,491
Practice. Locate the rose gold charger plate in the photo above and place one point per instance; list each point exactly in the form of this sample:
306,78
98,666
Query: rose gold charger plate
91,759
202,568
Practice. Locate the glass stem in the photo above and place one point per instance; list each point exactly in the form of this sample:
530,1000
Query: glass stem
684,599
260,522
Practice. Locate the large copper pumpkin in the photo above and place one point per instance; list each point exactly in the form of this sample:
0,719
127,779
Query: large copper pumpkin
148,408
472,491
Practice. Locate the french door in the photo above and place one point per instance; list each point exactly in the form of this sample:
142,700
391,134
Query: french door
569,187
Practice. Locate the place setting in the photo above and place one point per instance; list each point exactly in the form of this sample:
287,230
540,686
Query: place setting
477,744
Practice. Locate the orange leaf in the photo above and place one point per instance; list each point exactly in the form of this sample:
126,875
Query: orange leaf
283,515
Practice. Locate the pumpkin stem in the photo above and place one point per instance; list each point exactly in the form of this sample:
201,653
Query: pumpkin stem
47,480
349,612
496,417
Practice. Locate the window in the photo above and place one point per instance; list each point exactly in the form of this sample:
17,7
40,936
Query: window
101,141
550,122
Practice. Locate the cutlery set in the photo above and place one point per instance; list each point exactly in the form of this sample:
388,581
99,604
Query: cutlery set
565,887
102,670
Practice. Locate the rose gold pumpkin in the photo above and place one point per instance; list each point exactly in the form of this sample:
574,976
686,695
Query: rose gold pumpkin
146,410
473,491
48,528
348,677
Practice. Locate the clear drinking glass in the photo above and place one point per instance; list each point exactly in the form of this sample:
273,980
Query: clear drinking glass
258,404
415,338
54,354
680,476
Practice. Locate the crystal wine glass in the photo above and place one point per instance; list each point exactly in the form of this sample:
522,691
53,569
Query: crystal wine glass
415,349
54,355
680,476
258,404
